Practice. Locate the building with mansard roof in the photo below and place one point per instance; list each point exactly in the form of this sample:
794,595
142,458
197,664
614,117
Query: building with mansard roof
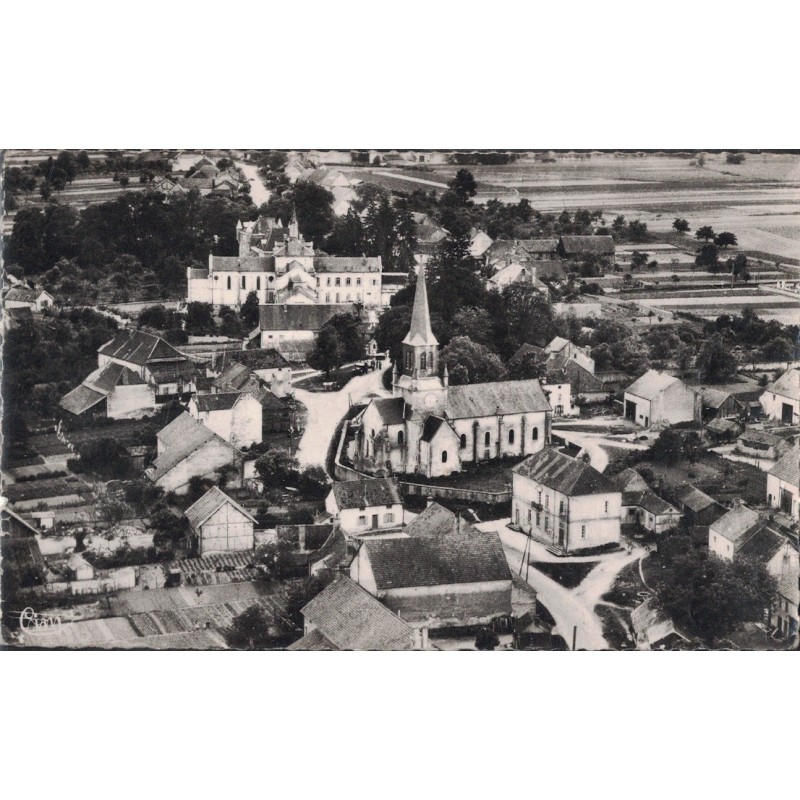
281,267
433,429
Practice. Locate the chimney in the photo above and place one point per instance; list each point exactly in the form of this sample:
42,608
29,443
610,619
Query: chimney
428,501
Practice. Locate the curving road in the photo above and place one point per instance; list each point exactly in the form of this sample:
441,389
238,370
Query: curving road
325,409
258,190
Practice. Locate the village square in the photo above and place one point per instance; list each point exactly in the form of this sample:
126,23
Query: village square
400,400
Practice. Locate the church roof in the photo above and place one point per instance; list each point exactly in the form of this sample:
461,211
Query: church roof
390,409
431,428
499,397
420,332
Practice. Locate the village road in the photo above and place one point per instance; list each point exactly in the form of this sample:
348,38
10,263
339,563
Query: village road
258,190
325,409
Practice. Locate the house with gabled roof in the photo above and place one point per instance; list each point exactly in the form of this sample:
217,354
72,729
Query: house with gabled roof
657,399
783,484
21,296
219,524
648,510
565,502
409,432
781,399
437,576
267,364
368,505
579,246
185,449
699,508
344,616
235,416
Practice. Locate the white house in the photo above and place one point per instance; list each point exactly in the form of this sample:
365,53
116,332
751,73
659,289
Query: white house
21,296
369,505
219,524
565,502
657,399
295,323
731,530
783,485
781,399
648,510
235,416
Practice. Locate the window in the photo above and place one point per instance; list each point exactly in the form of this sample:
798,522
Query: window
529,516
347,281
358,281
319,280
546,523
258,284
463,440
400,438
538,520
338,281
388,517
583,531
423,363
329,281
444,456
540,496
229,281
561,507
362,520
244,282
606,507
487,439
535,434
327,297
374,281
547,501
511,436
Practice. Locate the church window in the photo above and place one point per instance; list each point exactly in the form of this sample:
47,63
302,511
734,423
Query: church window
400,438
535,434
258,284
511,436
423,361
244,282
463,440
444,456
487,439
229,281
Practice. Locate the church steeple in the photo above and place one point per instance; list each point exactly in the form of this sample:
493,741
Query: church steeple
420,332
294,227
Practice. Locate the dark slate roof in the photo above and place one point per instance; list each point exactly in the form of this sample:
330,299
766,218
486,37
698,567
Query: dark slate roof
437,520
112,375
788,385
262,358
391,409
80,399
181,437
570,476
581,380
299,317
762,545
470,557
242,264
360,494
312,641
347,264
580,245
350,618
170,372
737,523
693,498
219,401
211,501
431,428
488,399
788,468
140,347
648,501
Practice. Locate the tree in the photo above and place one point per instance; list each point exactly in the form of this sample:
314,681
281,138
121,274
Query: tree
709,597
347,237
681,225
715,362
249,311
706,233
475,324
200,319
637,231
277,468
314,213
250,630
708,258
725,239
528,365
464,185
778,349
469,362
638,260
313,483
486,639
528,315
668,448
685,357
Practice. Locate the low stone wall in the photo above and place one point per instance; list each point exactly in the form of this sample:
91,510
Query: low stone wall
452,493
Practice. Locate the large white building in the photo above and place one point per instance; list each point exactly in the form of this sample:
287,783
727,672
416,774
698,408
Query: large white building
281,267
431,428
565,502
781,399
657,399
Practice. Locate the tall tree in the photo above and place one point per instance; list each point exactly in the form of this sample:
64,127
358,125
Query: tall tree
464,185
706,233
681,225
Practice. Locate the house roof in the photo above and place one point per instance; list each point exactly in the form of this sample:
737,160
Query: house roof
436,560
437,520
648,501
312,641
140,347
181,437
695,500
350,618
651,384
347,264
261,358
752,436
219,401
234,376
489,399
170,372
296,317
390,409
788,468
579,378
788,385
737,523
714,398
762,545
361,494
723,425
209,503
570,476
22,294
106,378
431,427
80,399
789,586
242,264
629,480
580,245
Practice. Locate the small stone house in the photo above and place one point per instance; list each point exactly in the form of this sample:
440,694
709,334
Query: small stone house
368,505
219,524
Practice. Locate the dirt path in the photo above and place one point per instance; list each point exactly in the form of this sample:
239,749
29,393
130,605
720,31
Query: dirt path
258,190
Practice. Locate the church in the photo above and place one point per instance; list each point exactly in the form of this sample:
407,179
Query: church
281,267
433,429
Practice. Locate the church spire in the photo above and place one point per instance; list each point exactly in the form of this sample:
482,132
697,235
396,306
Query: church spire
294,226
420,332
